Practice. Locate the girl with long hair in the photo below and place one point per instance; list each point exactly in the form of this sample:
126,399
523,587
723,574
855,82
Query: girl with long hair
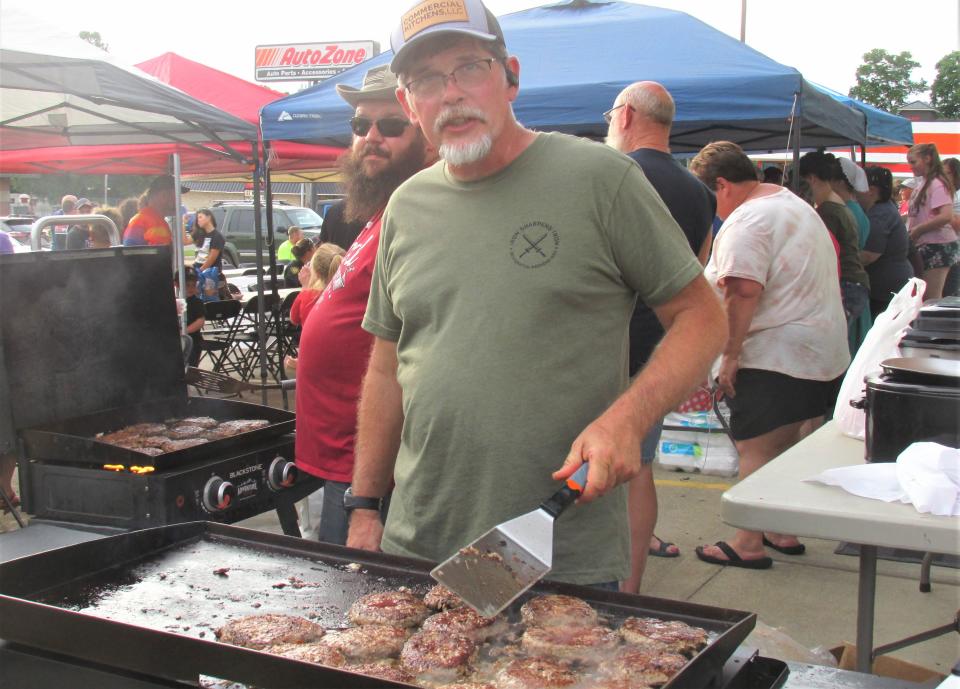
929,218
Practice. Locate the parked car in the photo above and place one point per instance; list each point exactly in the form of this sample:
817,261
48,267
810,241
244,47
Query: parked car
235,220
18,246
18,227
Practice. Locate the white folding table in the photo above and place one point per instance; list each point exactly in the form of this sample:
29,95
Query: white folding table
776,498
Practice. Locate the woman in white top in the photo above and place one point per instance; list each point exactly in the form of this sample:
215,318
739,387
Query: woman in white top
776,269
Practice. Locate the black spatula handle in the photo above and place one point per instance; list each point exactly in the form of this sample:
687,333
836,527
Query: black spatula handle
572,490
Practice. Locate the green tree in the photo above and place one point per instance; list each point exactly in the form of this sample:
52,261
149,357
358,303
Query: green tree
93,38
883,80
945,92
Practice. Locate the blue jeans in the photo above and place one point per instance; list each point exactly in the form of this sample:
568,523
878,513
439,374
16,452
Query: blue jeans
648,448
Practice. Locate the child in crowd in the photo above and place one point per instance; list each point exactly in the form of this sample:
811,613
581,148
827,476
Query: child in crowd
195,317
314,277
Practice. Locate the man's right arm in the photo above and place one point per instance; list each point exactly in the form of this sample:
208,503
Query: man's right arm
379,421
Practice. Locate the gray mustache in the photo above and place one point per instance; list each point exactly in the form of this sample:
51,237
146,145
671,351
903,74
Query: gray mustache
458,112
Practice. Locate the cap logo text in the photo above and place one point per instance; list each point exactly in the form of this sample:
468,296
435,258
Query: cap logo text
430,13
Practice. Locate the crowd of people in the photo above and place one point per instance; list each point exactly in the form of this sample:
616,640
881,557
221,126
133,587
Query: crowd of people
515,304
474,334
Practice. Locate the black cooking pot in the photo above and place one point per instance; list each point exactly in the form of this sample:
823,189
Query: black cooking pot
913,400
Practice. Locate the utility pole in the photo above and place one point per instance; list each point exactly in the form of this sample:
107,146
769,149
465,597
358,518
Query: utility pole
743,21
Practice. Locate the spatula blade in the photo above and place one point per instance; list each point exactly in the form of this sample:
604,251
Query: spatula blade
495,569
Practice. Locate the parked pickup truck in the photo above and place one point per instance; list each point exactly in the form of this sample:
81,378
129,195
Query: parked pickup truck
235,220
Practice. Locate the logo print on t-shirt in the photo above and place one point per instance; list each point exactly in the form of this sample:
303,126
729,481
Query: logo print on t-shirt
534,245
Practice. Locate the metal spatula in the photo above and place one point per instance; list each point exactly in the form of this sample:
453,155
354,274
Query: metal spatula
219,383
495,569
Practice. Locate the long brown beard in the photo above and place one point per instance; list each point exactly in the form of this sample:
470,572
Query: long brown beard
367,195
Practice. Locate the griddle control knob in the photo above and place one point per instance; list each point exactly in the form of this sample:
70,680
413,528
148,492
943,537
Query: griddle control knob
282,474
218,494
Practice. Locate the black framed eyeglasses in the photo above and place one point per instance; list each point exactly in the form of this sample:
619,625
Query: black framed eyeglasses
387,126
608,115
468,76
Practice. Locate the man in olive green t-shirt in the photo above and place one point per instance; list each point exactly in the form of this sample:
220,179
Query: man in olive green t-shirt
501,297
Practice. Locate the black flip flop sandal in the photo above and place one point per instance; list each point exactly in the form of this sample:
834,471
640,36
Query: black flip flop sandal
798,549
663,551
734,559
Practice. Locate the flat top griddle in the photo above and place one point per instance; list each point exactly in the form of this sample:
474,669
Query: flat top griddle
74,440
140,599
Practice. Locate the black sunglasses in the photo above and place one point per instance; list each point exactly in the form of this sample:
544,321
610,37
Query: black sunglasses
387,126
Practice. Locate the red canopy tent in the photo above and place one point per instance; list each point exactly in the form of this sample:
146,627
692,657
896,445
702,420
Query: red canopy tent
240,98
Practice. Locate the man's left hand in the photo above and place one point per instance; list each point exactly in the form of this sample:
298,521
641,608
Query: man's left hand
612,447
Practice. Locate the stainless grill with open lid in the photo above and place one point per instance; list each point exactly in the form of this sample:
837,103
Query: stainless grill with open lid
91,344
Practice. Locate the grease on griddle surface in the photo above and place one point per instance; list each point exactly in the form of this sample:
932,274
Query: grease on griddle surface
184,589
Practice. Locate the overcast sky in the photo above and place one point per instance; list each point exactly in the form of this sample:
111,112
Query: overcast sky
824,39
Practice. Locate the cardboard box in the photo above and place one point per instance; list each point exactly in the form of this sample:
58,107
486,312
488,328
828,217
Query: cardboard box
884,666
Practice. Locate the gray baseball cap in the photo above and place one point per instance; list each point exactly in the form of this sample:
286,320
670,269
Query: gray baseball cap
431,17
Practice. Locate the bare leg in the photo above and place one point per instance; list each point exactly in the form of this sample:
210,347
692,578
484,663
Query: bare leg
935,279
8,462
754,453
642,513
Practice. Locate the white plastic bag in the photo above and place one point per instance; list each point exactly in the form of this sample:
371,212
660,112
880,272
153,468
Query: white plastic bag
882,342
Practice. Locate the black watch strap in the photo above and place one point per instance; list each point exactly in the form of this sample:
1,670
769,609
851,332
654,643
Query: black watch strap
355,502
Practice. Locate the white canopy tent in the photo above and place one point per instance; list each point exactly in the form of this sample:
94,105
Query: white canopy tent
58,92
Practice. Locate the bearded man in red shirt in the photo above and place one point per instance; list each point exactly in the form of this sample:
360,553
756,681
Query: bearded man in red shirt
334,350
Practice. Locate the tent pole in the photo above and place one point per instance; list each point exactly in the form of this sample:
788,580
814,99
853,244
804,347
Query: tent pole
272,253
798,128
258,230
177,239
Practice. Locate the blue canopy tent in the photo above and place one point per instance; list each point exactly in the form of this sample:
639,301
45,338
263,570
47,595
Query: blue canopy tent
575,57
883,128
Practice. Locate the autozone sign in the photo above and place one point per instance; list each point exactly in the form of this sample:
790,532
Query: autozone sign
302,61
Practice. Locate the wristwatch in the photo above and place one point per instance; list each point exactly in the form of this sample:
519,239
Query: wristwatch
353,502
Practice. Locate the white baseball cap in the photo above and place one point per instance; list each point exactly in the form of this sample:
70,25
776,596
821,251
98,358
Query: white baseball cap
854,174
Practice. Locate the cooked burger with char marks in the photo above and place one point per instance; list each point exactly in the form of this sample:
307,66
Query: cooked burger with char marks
536,673
557,611
441,598
672,635
438,656
235,427
384,670
147,428
587,644
201,421
638,664
259,631
392,608
368,642
184,430
313,652
466,621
